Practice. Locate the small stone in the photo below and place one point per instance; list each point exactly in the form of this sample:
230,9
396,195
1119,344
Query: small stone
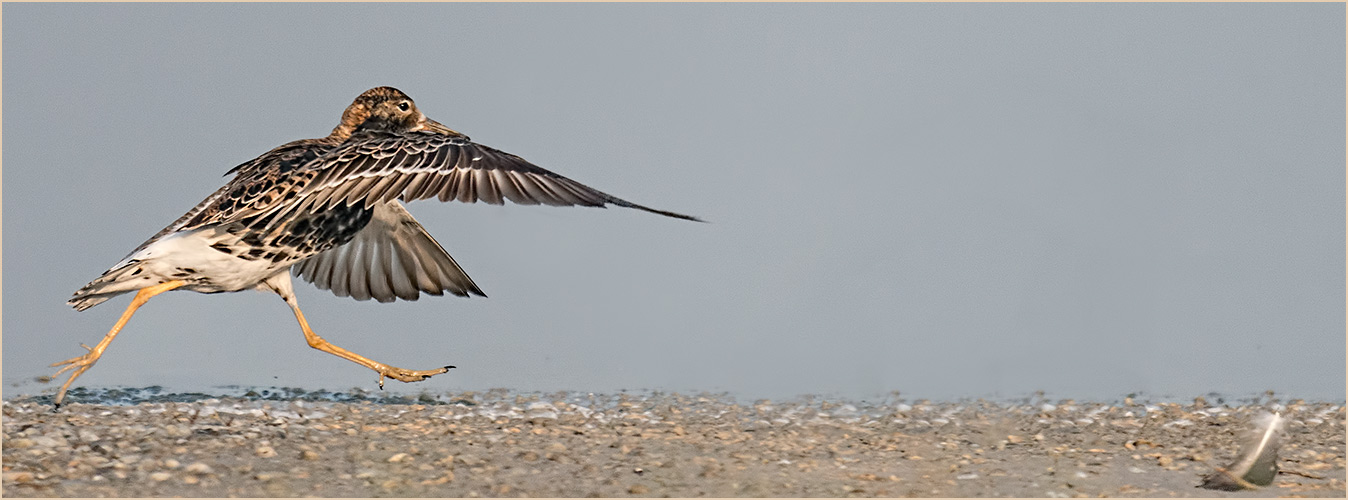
638,489
556,447
160,476
265,451
49,442
171,464
1014,439
177,431
18,477
309,455
449,476
400,457
470,460
199,468
20,443
88,436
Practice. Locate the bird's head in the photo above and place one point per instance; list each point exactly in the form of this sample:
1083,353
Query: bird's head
386,109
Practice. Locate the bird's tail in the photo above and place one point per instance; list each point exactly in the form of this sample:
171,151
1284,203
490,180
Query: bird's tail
116,281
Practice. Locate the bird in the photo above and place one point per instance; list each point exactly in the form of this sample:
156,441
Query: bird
330,211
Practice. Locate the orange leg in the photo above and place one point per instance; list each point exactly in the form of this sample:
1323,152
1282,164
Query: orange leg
384,370
82,364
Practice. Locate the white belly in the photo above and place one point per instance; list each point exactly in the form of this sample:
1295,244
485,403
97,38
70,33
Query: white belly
189,256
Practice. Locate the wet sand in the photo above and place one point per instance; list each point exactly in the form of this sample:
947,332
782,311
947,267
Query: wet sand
502,444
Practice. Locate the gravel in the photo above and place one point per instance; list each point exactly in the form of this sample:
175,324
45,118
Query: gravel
503,444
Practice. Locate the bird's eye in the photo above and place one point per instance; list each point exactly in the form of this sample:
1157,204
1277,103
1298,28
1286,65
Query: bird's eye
404,106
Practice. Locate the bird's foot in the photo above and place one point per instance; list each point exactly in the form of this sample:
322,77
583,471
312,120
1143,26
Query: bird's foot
79,364
404,375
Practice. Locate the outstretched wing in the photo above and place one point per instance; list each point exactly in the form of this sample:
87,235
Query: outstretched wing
391,257
419,165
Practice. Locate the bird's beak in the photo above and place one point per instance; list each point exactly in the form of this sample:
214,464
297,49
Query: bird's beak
434,126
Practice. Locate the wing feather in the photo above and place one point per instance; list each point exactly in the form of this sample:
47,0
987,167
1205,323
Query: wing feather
357,272
399,186
402,273
418,181
467,188
380,260
383,184
337,280
359,190
486,188
376,168
538,190
392,257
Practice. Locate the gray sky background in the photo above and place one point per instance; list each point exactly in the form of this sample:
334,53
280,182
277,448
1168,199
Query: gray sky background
948,200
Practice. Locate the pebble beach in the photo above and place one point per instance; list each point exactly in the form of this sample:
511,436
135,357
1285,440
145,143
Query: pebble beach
500,443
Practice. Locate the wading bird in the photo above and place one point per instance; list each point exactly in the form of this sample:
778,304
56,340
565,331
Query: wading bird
328,210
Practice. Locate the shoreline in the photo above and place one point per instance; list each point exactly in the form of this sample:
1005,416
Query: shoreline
501,443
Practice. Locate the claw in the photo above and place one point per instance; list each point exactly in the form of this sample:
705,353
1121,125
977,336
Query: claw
381,381
66,362
70,365
71,360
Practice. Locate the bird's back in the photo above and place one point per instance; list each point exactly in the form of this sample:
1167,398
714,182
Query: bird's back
254,184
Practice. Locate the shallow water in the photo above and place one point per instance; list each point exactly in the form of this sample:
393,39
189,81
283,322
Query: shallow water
873,407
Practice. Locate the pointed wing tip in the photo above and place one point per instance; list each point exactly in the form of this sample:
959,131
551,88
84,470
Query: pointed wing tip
672,214
696,219
627,204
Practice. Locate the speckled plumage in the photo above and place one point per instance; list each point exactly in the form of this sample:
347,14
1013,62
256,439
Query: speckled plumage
329,209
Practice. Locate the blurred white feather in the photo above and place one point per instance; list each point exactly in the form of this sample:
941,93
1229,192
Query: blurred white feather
1257,463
